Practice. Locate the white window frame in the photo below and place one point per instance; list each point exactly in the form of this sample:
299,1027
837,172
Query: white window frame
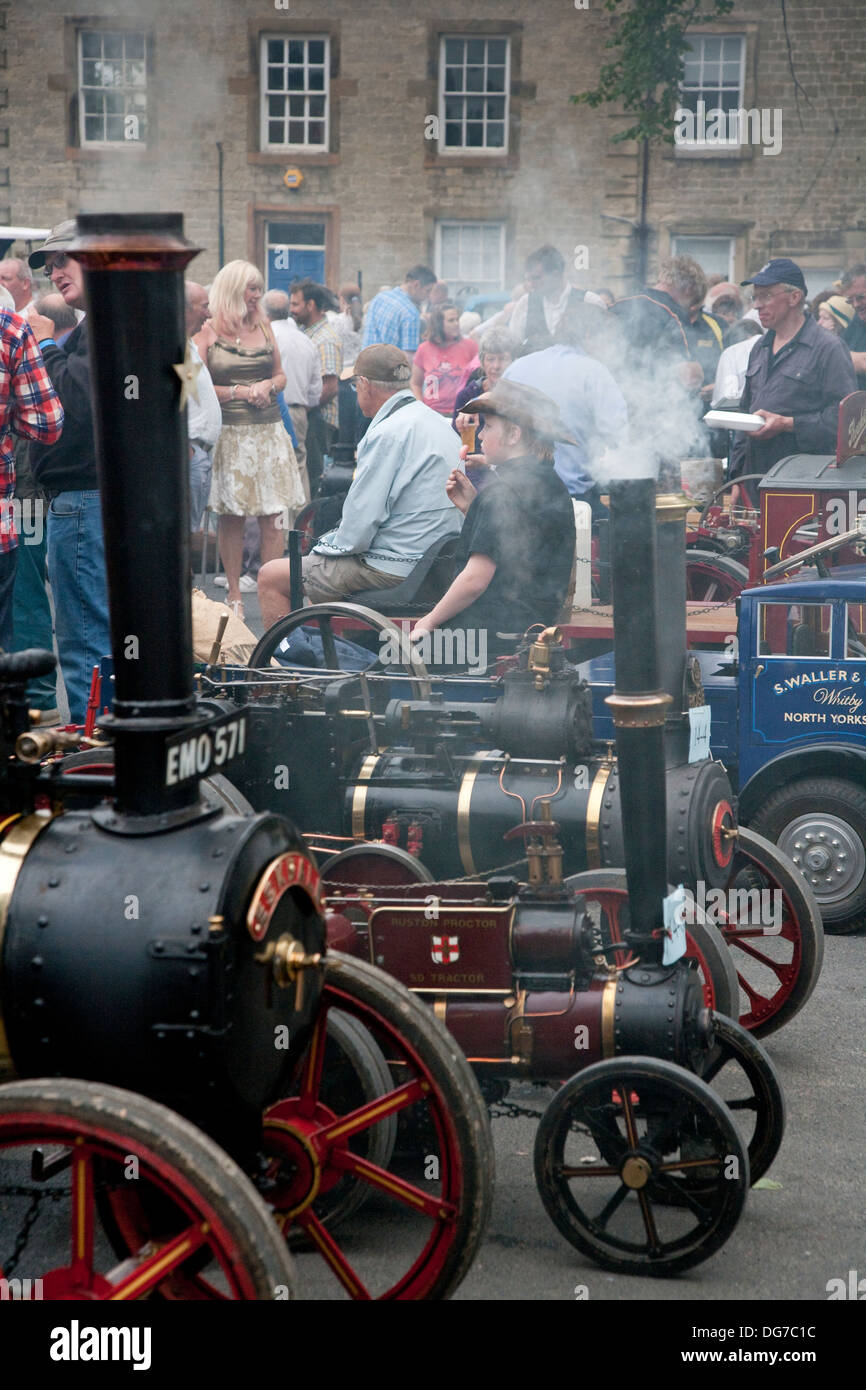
306,93
741,93
469,222
677,237
472,151
82,114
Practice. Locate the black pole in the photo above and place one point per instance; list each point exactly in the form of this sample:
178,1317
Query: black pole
221,245
671,512
639,706
133,275
296,589
643,229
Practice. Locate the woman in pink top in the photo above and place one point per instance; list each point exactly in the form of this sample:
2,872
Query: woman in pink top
442,362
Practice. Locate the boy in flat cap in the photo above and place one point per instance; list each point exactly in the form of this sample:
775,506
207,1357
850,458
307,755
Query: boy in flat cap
517,545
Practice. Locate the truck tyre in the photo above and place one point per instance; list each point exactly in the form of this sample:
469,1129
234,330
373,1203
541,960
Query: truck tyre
820,823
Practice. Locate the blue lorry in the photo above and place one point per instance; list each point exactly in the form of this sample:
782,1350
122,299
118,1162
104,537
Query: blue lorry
788,720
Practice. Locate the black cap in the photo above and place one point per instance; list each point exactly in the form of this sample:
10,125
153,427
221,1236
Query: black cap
781,271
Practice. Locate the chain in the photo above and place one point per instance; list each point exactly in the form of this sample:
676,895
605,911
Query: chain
29,1220
603,612
510,1110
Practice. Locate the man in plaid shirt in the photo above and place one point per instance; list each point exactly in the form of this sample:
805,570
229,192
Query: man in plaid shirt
394,315
30,408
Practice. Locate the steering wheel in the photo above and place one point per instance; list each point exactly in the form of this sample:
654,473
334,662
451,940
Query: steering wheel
726,487
322,614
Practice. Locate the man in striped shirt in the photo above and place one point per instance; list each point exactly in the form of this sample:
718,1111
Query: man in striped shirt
31,409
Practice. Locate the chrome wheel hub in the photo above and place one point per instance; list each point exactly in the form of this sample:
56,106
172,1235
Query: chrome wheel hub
828,852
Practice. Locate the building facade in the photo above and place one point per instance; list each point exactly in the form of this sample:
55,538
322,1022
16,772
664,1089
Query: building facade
340,139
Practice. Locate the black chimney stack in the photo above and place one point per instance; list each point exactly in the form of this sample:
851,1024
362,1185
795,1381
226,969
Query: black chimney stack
639,705
133,274
671,512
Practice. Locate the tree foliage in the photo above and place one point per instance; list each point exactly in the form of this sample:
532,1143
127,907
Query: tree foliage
646,73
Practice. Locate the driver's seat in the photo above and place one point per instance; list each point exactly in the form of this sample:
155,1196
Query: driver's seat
420,589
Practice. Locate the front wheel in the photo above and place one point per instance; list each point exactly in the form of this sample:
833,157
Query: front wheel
820,824
195,1227
432,1203
640,1166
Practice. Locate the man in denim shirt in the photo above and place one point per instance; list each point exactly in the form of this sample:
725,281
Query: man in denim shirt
397,506
66,473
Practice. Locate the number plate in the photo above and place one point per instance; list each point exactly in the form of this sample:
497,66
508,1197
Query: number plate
208,748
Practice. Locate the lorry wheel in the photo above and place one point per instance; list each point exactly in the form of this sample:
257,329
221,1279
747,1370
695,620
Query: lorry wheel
820,824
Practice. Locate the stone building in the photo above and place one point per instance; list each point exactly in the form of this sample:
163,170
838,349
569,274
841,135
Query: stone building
361,138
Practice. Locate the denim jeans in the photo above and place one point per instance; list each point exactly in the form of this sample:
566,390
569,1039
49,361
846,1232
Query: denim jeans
33,615
200,469
76,569
8,566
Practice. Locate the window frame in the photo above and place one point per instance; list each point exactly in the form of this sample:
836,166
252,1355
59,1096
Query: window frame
474,151
462,222
730,238
265,146
123,33
699,146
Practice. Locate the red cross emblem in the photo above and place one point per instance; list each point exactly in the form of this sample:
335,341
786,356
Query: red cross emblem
445,950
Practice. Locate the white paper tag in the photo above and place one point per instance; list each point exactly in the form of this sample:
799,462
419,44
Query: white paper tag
674,918
699,740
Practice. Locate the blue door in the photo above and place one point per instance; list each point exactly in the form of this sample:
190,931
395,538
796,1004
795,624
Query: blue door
294,251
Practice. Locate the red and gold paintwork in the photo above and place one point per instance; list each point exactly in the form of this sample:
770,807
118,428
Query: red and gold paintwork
89,1147
285,872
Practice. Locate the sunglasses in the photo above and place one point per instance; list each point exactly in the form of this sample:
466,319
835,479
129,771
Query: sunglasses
55,262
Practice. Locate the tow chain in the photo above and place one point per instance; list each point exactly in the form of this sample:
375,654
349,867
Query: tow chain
510,1110
601,610
52,1194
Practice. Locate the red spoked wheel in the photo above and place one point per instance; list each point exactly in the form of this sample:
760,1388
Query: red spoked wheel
606,894
426,1214
772,923
90,1148
712,578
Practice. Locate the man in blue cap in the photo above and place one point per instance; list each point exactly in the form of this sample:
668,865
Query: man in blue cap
796,377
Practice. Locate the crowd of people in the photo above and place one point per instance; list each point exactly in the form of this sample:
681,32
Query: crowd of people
481,433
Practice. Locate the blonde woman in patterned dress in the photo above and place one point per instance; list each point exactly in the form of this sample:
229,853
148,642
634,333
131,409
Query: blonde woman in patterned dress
255,472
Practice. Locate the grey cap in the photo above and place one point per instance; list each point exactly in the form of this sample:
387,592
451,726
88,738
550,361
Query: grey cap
58,239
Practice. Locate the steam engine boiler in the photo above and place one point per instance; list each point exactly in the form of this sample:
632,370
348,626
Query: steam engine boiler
155,940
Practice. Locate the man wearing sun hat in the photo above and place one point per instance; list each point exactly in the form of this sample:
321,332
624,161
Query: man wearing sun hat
516,549
796,377
396,507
